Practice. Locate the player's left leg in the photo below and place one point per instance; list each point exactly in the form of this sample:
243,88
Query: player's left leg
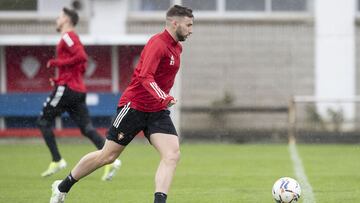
52,107
80,114
162,134
168,147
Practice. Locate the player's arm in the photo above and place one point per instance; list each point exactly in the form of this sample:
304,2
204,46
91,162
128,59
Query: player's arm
78,54
151,60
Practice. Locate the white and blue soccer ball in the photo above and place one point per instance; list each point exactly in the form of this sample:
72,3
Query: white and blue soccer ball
286,190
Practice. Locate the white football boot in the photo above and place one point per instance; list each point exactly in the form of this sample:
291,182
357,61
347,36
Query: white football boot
54,167
57,196
110,170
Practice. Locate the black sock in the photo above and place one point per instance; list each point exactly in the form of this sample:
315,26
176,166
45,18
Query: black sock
160,197
67,183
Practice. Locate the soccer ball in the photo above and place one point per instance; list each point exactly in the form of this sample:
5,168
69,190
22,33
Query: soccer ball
286,190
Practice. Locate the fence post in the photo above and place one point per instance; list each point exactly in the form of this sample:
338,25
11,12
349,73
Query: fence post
291,120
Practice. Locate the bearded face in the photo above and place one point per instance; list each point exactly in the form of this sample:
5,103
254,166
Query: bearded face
60,21
180,35
184,28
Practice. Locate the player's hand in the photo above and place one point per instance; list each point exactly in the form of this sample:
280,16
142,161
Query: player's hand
169,101
52,82
172,102
50,63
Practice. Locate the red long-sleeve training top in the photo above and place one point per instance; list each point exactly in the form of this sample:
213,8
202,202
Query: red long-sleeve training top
71,61
154,74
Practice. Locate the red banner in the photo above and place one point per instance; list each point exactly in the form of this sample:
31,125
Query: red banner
128,59
26,68
98,72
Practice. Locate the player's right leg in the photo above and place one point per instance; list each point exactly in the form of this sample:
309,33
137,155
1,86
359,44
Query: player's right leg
94,160
80,114
52,108
87,164
125,127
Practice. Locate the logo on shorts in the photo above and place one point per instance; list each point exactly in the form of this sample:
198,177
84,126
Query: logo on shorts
121,136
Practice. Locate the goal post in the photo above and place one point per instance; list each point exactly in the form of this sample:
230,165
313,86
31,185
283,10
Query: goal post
313,114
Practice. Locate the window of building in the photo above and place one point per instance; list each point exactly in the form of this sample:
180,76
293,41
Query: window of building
150,5
201,5
266,5
154,5
288,5
224,5
245,5
18,5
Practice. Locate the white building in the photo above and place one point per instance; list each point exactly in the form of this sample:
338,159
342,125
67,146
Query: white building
260,53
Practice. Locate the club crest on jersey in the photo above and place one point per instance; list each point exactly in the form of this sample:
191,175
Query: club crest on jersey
121,136
172,60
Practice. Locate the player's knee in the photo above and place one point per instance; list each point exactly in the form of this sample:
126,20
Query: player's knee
45,128
43,124
108,158
87,130
172,158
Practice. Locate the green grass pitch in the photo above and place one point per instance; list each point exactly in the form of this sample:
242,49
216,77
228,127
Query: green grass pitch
207,173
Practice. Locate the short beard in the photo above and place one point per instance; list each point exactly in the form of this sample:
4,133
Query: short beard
58,29
180,37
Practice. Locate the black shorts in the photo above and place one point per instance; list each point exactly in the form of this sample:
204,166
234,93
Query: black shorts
63,99
129,122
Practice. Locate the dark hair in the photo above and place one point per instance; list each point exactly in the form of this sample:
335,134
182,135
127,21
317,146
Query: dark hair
181,11
74,17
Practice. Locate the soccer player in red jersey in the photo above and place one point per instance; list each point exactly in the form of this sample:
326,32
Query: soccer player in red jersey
69,93
143,107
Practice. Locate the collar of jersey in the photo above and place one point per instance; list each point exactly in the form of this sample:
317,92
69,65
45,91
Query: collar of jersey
169,39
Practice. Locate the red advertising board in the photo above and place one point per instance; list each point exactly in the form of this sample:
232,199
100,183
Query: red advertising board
98,72
26,68
128,58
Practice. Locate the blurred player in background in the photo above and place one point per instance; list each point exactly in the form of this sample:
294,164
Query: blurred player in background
143,107
69,93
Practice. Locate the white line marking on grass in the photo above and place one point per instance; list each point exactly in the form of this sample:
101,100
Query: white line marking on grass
307,192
